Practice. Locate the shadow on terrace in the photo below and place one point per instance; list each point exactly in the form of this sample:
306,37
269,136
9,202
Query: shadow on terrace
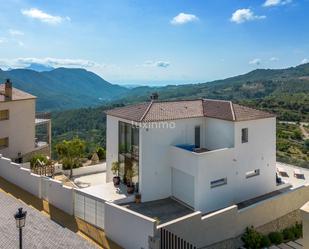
163,210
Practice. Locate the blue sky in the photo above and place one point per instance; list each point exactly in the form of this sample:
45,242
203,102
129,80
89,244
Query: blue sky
155,42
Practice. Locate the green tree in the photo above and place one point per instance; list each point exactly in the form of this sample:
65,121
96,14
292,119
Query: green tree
101,153
71,153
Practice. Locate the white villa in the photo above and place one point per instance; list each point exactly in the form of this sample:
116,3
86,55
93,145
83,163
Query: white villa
207,154
22,132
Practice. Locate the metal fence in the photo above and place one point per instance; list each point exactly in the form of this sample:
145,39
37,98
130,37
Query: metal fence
89,209
169,240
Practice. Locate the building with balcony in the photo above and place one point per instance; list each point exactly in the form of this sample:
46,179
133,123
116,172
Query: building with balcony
207,154
23,133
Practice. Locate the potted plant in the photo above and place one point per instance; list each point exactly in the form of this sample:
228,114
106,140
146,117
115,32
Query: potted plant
130,185
115,169
138,198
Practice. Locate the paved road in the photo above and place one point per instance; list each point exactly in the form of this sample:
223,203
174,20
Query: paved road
40,232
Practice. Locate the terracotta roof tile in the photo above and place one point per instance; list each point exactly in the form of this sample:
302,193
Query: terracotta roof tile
132,112
218,109
243,113
16,94
171,110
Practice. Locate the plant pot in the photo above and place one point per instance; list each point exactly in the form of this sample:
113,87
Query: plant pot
138,198
116,180
130,188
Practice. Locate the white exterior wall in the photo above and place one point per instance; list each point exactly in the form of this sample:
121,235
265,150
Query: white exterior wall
212,166
19,176
127,228
258,153
228,158
219,134
155,166
233,164
20,128
111,144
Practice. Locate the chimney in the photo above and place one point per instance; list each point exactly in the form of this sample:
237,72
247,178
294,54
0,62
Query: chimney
154,96
8,90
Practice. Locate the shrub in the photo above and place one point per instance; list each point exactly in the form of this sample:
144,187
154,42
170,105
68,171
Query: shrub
252,239
265,241
34,161
276,238
297,230
288,234
101,153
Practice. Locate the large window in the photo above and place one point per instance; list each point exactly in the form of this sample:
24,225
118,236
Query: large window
4,143
128,151
244,135
4,115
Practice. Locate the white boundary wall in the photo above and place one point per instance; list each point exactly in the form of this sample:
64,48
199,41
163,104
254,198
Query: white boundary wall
21,177
127,228
230,222
87,170
53,191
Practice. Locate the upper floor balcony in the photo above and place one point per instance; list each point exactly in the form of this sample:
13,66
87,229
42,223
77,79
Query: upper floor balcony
42,129
191,160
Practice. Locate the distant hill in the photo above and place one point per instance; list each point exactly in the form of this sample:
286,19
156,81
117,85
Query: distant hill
63,88
255,84
39,67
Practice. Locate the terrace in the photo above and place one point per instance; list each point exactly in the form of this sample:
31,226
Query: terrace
163,210
42,130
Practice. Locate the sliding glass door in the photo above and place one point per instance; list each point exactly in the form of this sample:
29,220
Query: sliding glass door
128,152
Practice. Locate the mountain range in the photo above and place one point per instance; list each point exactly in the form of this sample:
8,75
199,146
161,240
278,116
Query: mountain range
284,92
72,88
63,88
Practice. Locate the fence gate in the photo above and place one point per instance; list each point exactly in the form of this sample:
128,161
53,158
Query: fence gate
44,187
169,240
89,209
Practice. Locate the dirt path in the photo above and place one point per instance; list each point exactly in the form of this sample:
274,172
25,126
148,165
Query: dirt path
301,126
304,131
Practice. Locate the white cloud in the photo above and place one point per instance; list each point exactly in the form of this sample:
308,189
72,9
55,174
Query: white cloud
304,61
43,16
163,64
244,15
183,18
271,3
15,32
273,59
256,61
53,62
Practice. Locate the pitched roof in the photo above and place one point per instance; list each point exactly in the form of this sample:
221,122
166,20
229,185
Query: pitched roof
243,113
16,94
181,109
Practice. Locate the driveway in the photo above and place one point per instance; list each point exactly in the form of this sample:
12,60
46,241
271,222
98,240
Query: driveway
39,232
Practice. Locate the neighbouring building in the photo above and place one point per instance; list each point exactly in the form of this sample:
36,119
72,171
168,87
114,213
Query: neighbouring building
23,133
206,153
